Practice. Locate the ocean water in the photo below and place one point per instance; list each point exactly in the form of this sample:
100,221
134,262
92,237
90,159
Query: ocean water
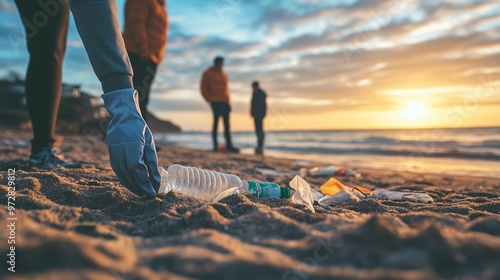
460,151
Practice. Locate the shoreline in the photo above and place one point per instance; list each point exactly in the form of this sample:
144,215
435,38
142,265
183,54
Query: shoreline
25,134
319,163
466,155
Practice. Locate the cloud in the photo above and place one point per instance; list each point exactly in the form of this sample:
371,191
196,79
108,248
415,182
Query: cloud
338,64
7,7
322,56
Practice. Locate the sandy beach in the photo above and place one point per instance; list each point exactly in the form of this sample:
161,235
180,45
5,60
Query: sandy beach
82,224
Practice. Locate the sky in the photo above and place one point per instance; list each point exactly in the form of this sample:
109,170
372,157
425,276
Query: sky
343,64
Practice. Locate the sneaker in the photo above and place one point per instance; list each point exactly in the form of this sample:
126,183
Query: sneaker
50,158
232,150
259,151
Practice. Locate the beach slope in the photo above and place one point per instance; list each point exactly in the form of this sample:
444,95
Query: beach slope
82,224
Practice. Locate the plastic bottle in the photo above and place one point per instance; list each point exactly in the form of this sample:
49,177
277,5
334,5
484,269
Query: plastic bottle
323,171
328,171
408,196
213,186
199,183
265,189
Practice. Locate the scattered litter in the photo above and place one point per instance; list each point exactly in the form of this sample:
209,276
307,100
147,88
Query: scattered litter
337,193
316,194
301,163
264,189
203,185
450,195
323,171
15,143
344,197
271,172
302,193
345,172
328,171
333,186
404,196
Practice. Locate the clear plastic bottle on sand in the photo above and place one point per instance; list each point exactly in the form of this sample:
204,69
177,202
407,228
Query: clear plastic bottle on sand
396,195
213,186
199,183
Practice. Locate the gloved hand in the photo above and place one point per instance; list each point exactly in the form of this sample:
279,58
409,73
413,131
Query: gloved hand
131,145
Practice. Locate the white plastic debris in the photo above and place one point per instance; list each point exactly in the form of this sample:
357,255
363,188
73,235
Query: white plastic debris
344,197
271,172
317,195
405,196
302,193
323,171
301,163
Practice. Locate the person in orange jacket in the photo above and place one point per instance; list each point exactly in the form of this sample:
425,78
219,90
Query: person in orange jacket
145,36
215,90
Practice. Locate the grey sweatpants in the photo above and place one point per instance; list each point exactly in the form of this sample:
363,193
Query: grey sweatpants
97,24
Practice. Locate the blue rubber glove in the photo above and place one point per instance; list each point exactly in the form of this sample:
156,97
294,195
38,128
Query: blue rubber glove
132,152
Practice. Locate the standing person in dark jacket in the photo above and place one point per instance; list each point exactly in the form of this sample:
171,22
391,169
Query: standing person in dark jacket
258,112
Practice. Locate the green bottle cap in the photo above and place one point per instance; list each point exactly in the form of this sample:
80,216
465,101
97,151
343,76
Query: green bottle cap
285,192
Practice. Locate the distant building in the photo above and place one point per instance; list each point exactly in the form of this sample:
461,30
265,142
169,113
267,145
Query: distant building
76,110
13,111
79,112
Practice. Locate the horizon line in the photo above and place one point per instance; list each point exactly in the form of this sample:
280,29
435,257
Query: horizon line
343,129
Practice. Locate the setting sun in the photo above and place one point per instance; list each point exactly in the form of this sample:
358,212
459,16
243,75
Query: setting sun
414,109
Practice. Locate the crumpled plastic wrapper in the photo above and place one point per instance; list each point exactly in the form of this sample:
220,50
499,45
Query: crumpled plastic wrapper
302,193
344,197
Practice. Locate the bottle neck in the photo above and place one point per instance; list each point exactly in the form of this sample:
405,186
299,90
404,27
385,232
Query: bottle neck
285,192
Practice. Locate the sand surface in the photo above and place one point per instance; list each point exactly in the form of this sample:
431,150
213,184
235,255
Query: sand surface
82,224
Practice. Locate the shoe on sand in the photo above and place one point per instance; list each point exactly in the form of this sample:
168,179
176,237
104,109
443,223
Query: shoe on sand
232,150
50,158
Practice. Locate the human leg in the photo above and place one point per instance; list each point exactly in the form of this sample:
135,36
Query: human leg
259,131
216,116
138,67
144,73
227,129
46,27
